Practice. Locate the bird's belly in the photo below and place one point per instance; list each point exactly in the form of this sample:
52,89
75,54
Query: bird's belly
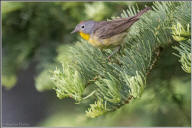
109,42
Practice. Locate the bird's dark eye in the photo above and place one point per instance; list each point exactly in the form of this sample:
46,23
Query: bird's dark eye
82,26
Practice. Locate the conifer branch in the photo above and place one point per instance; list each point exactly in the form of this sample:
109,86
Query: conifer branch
183,36
122,79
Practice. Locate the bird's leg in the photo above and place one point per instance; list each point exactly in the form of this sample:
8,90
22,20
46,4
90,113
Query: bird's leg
115,51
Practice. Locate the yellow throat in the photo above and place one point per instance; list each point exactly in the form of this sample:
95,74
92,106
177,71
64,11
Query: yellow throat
84,36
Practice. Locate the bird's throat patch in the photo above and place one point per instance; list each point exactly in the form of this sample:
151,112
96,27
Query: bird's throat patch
84,36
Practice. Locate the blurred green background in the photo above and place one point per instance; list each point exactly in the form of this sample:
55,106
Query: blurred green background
33,36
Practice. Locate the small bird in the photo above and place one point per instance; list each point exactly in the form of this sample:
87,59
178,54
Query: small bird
107,34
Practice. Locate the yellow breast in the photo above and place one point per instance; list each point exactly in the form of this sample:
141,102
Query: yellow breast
84,36
104,43
109,42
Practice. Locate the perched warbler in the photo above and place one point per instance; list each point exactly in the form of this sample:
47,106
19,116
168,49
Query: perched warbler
107,34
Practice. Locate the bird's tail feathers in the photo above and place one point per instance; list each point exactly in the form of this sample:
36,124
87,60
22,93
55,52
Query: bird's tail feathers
143,11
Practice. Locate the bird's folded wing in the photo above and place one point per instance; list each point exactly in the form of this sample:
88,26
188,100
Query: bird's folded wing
106,29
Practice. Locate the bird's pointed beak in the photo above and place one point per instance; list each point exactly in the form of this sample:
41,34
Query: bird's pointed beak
74,31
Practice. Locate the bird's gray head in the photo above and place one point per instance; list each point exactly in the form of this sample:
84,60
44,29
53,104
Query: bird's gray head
85,27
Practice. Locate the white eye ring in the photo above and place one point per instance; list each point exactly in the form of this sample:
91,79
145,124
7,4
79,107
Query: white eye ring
82,26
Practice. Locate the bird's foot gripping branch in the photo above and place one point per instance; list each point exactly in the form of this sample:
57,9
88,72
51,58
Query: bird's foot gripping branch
86,74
